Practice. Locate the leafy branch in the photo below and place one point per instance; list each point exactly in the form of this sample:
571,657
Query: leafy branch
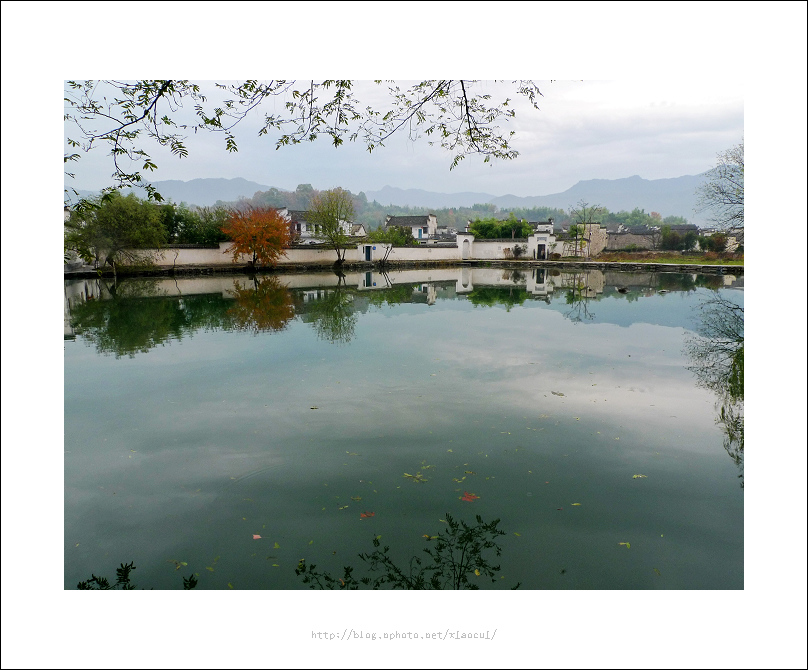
456,560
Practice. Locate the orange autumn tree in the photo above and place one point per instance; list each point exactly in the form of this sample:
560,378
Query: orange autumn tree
258,233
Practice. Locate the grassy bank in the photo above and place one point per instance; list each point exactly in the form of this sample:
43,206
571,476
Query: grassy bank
707,258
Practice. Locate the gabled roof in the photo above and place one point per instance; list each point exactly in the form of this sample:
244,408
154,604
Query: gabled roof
298,214
407,221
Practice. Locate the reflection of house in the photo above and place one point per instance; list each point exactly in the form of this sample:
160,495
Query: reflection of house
423,227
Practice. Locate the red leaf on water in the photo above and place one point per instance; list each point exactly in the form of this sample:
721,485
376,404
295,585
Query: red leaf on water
469,497
366,515
256,537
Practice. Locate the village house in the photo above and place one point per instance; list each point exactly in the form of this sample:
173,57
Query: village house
306,232
423,227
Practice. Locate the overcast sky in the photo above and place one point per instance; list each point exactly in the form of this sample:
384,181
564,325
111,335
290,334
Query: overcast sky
583,130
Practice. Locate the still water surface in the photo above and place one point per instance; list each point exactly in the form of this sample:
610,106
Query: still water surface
200,413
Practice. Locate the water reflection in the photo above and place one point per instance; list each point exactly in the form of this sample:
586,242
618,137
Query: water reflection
129,317
332,315
261,305
717,361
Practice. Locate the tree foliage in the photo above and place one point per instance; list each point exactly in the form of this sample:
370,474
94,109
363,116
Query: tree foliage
722,194
491,228
115,230
331,212
265,306
128,117
259,234
458,559
123,580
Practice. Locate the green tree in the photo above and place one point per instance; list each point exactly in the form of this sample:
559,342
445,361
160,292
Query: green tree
458,559
722,193
581,215
204,225
116,230
331,212
128,117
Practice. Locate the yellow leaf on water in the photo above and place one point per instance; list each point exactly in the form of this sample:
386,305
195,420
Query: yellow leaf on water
640,477
277,546
230,585
311,541
658,572
477,572
575,504
627,545
209,568
517,535
275,565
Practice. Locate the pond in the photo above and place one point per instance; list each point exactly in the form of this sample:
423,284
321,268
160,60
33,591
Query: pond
227,427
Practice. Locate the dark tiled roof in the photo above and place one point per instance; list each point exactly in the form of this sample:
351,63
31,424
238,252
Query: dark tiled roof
407,221
298,214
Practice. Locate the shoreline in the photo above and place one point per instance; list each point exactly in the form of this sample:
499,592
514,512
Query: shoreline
286,268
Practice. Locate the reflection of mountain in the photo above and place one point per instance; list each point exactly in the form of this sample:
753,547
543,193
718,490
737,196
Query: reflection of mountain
716,356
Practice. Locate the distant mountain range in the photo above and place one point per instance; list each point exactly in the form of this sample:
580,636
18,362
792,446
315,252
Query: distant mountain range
669,197
675,196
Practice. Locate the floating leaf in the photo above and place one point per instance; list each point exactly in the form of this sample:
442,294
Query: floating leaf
345,507
356,498
575,504
277,546
178,564
275,565
470,472
209,568
256,537
627,545
477,572
658,572
417,477
640,476
230,585
366,515
314,408
469,497
517,535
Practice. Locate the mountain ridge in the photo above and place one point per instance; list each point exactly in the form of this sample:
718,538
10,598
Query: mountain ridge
673,196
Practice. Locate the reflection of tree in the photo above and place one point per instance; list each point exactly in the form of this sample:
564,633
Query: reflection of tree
685,281
488,296
129,323
717,361
578,296
460,558
332,316
396,294
266,305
